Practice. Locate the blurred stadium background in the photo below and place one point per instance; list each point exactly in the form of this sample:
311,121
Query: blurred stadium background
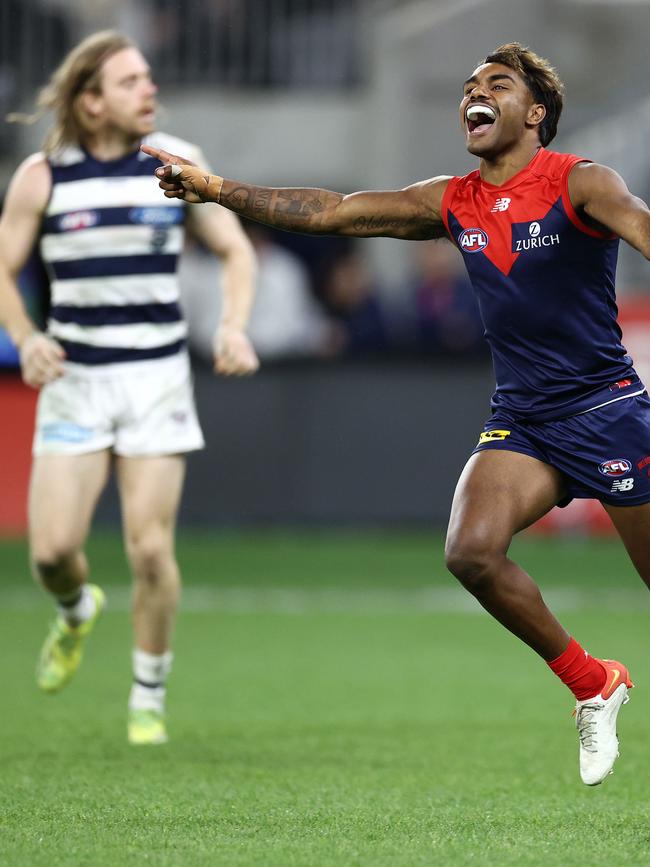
375,379
315,714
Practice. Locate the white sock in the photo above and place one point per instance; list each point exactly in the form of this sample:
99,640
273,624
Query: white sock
78,607
147,697
150,672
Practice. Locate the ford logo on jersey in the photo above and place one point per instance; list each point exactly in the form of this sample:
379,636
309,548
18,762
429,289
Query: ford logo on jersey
473,240
156,216
615,467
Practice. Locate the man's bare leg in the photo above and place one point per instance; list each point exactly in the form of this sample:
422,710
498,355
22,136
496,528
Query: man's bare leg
633,526
63,494
500,493
150,489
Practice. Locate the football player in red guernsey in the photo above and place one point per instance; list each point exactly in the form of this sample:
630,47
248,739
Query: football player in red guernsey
539,233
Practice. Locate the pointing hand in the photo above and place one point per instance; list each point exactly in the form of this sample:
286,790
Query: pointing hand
182,179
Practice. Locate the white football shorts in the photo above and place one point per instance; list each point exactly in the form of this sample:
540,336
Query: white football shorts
135,409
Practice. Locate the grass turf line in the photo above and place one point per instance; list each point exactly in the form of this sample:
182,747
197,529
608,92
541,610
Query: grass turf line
323,739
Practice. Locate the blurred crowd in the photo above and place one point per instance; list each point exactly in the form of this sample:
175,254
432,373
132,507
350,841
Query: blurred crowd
258,43
275,43
319,298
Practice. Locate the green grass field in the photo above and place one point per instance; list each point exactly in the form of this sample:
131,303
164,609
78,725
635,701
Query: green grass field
336,701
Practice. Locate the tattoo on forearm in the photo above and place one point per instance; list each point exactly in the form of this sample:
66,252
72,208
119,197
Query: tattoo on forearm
379,224
261,202
300,205
238,200
293,209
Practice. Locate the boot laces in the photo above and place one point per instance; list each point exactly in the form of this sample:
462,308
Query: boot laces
586,725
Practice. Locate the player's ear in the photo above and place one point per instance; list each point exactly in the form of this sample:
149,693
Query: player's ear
536,114
90,103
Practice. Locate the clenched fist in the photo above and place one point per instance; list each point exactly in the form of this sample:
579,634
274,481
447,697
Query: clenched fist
233,352
41,359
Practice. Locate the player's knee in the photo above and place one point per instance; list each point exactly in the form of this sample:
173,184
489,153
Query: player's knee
52,558
151,557
472,560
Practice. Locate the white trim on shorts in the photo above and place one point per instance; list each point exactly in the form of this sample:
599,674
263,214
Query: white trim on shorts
613,400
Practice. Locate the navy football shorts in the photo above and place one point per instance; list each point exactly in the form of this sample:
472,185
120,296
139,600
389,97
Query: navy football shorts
604,454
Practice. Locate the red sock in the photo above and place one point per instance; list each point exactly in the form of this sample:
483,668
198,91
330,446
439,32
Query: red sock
583,674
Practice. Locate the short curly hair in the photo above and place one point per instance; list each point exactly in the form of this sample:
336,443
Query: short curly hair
542,80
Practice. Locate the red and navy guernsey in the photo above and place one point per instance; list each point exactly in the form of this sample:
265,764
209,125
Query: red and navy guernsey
545,283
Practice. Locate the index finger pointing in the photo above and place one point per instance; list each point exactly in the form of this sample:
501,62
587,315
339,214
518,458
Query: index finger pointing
160,154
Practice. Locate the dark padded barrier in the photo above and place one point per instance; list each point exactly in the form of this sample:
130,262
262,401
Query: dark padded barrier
332,443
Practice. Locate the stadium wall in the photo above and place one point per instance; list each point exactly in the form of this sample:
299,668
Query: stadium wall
370,443
18,404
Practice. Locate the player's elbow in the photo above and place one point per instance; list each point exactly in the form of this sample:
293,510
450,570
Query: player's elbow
336,219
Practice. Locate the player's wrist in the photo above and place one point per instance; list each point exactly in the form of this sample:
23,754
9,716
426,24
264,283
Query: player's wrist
215,187
22,337
230,325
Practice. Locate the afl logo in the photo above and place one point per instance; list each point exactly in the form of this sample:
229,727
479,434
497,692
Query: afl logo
534,230
472,240
76,220
615,467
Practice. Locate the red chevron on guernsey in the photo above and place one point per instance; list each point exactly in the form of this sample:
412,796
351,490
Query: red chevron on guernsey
544,280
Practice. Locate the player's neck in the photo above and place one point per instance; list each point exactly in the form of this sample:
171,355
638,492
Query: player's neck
500,169
110,146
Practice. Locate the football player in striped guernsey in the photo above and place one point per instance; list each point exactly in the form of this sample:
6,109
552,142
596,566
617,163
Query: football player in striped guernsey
539,233
112,366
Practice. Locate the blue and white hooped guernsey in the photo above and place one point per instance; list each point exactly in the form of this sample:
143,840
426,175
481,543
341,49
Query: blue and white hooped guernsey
110,242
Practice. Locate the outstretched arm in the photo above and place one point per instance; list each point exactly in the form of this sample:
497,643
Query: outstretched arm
602,196
414,212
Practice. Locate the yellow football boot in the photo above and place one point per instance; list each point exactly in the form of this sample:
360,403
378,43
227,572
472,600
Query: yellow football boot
146,727
63,647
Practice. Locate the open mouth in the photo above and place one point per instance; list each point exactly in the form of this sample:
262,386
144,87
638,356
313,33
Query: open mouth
479,118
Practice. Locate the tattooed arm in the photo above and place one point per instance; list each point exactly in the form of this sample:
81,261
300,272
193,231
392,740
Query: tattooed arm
409,213
414,212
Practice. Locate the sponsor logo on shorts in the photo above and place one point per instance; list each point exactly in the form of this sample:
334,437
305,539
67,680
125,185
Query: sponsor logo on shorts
473,240
66,432
493,436
78,220
622,485
643,463
622,383
615,467
179,417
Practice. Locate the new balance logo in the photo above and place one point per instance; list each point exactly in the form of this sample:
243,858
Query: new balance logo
501,205
622,485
